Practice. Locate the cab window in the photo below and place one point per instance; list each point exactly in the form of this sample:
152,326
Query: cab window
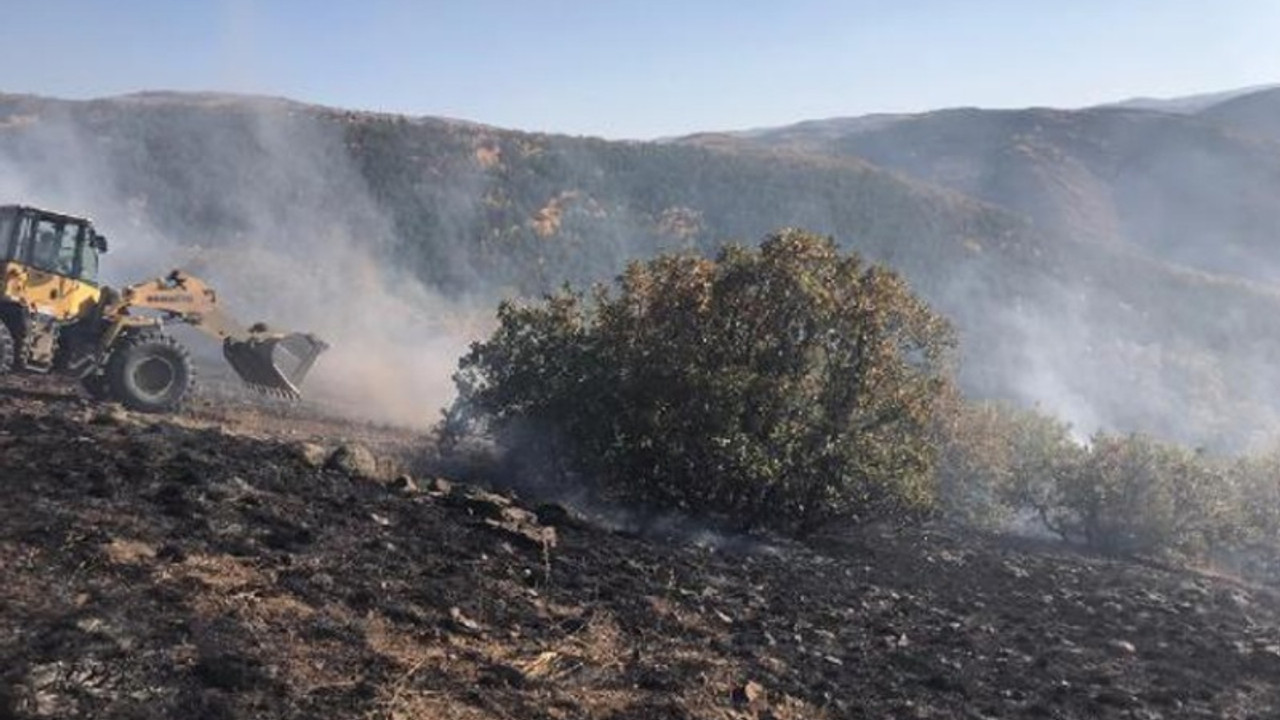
55,246
88,269
20,249
8,243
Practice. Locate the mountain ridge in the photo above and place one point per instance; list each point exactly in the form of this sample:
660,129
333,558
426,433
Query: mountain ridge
1106,174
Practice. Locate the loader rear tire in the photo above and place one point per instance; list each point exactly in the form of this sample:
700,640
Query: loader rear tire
6,349
150,373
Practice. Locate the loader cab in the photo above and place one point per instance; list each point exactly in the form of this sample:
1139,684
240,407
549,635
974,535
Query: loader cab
51,243
49,262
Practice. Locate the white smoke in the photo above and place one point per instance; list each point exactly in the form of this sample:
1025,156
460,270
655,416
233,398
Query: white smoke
312,250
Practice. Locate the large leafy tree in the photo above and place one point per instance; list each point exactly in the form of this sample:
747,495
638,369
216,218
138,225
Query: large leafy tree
781,387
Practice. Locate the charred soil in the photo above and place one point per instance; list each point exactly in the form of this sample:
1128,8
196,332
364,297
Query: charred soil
236,562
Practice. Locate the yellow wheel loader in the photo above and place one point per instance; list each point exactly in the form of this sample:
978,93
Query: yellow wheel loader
56,317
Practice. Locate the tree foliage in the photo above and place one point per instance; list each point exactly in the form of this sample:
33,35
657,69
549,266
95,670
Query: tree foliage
1117,494
1130,494
997,462
780,387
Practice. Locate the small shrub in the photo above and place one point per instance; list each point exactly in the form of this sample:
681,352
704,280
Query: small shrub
1117,494
1134,495
997,462
1256,480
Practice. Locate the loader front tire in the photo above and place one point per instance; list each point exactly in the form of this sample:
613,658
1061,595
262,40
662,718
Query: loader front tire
6,349
150,373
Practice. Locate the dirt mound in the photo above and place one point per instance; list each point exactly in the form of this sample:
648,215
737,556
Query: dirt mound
177,568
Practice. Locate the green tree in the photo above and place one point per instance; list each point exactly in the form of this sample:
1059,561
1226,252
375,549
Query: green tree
780,387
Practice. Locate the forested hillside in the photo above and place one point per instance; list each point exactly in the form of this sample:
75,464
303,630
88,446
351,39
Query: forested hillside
1195,189
1056,304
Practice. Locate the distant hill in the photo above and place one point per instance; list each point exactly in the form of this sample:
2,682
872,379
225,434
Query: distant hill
1187,103
1079,253
1196,190
1256,114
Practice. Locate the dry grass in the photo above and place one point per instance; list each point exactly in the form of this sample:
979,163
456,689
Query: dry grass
129,552
222,574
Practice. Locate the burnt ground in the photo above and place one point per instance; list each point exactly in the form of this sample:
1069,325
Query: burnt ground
212,566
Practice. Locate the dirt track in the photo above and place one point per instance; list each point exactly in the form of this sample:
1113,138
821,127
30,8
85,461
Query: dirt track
210,566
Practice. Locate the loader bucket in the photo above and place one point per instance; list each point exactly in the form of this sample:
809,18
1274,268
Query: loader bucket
275,364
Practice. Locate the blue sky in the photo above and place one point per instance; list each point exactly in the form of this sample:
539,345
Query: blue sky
636,69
